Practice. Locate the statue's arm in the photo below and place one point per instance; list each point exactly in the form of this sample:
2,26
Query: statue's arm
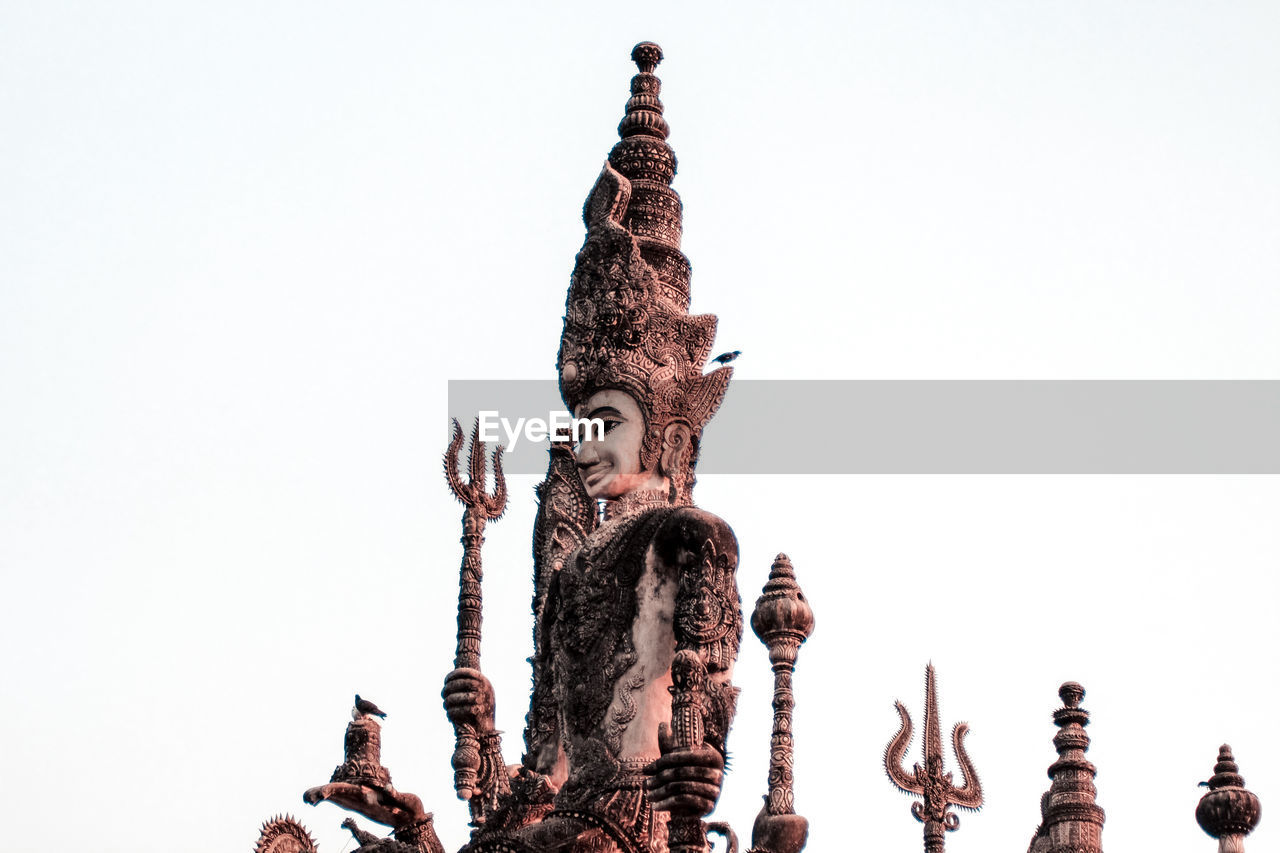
707,620
702,549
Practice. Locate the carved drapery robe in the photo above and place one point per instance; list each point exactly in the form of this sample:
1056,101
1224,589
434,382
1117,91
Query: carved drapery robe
640,587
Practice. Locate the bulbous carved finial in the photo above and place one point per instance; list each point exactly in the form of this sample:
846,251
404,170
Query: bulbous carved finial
782,608
1228,810
646,55
1071,694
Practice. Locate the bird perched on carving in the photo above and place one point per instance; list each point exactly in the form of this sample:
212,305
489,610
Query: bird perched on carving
726,357
365,708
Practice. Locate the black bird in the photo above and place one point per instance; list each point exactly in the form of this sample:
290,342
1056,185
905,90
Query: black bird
726,357
365,708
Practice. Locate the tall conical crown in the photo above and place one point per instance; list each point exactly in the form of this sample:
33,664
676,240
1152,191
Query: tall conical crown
644,158
626,322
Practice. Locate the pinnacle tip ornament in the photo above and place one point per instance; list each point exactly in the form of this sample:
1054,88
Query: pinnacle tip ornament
647,56
782,610
1228,812
1071,694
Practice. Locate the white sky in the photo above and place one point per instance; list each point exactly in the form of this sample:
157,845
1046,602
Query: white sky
243,247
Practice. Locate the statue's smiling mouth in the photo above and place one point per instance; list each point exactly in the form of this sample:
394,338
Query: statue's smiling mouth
593,473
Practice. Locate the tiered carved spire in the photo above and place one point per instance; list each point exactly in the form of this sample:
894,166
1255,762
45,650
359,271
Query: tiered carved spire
655,215
1228,812
1071,820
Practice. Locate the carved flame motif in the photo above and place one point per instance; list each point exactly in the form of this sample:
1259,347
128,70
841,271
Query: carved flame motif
931,783
284,834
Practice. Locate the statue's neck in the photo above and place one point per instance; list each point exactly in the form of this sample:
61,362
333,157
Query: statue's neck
638,501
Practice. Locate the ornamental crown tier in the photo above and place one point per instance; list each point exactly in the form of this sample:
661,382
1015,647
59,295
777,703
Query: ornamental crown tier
627,324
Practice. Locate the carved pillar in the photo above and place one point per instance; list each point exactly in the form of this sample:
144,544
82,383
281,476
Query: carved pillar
1228,812
782,619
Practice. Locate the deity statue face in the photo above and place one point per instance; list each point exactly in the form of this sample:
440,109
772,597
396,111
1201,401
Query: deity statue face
610,466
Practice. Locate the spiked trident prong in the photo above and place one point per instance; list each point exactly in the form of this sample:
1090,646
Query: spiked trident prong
481,507
930,782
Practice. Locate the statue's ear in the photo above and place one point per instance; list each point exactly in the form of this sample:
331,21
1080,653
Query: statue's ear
676,439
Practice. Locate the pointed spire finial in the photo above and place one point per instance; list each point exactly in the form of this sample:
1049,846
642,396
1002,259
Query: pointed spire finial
1071,817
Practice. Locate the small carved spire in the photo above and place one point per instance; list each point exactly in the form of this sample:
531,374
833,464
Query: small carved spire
644,109
1071,818
655,215
1228,812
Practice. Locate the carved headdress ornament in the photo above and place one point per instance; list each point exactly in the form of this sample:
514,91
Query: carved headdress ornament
627,324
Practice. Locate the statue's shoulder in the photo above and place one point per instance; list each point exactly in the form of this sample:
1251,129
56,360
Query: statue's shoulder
687,533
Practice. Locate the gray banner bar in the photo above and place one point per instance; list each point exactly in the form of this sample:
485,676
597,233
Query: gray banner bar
948,427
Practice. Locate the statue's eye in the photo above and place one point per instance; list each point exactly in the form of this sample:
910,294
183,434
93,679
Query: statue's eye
610,423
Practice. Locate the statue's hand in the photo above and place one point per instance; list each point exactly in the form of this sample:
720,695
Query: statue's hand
686,782
468,699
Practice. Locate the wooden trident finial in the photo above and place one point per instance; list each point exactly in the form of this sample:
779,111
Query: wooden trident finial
930,782
472,492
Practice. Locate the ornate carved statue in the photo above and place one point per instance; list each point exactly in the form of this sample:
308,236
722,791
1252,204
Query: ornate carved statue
618,598
637,617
